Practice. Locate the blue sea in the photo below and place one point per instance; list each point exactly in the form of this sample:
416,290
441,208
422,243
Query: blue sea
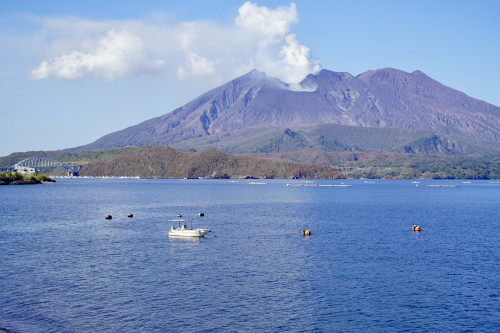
65,268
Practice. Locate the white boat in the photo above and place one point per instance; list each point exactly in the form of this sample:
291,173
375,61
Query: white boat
184,231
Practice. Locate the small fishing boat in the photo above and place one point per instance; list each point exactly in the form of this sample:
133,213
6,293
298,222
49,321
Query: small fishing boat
184,231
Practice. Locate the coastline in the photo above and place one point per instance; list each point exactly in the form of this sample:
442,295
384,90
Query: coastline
23,182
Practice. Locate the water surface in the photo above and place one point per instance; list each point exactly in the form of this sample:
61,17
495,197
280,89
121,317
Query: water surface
67,269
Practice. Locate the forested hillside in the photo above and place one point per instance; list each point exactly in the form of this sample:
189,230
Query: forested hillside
164,162
378,165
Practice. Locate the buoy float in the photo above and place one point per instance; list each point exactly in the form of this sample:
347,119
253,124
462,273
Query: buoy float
201,214
179,215
306,232
130,215
108,217
416,228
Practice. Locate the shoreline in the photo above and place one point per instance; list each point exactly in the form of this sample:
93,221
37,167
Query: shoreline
23,182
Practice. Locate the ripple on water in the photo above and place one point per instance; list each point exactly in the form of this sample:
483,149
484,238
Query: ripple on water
69,269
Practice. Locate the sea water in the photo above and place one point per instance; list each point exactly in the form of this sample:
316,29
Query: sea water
65,268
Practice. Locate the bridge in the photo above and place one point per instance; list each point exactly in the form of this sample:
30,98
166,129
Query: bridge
39,162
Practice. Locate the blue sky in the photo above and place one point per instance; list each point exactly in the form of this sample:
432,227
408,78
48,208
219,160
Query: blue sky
73,71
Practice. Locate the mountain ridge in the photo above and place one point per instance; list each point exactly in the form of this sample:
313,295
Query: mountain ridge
384,98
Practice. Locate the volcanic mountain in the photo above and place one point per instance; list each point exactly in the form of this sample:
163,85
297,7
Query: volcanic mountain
386,109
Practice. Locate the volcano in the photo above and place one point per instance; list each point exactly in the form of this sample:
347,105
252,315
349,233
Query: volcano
257,110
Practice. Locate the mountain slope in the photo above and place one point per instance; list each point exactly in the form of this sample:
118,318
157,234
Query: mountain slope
386,98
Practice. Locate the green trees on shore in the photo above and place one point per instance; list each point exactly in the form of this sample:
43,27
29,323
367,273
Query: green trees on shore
11,176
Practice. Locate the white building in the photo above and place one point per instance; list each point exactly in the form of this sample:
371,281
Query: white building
25,170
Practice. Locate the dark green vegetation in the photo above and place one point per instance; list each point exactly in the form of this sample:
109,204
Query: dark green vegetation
335,138
377,165
164,162
14,178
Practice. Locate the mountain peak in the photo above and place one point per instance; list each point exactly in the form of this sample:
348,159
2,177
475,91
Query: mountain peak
254,74
420,74
328,74
326,78
258,78
383,74
384,98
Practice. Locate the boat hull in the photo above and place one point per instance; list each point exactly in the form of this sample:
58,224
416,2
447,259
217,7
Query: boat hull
188,233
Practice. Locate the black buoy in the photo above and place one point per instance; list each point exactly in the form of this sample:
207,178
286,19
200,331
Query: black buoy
130,215
201,214
108,217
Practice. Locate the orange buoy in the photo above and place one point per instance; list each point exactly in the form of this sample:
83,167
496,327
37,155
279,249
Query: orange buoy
416,228
306,232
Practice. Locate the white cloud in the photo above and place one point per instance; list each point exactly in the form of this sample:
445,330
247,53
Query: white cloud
297,59
118,55
260,37
272,25
196,65
278,53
